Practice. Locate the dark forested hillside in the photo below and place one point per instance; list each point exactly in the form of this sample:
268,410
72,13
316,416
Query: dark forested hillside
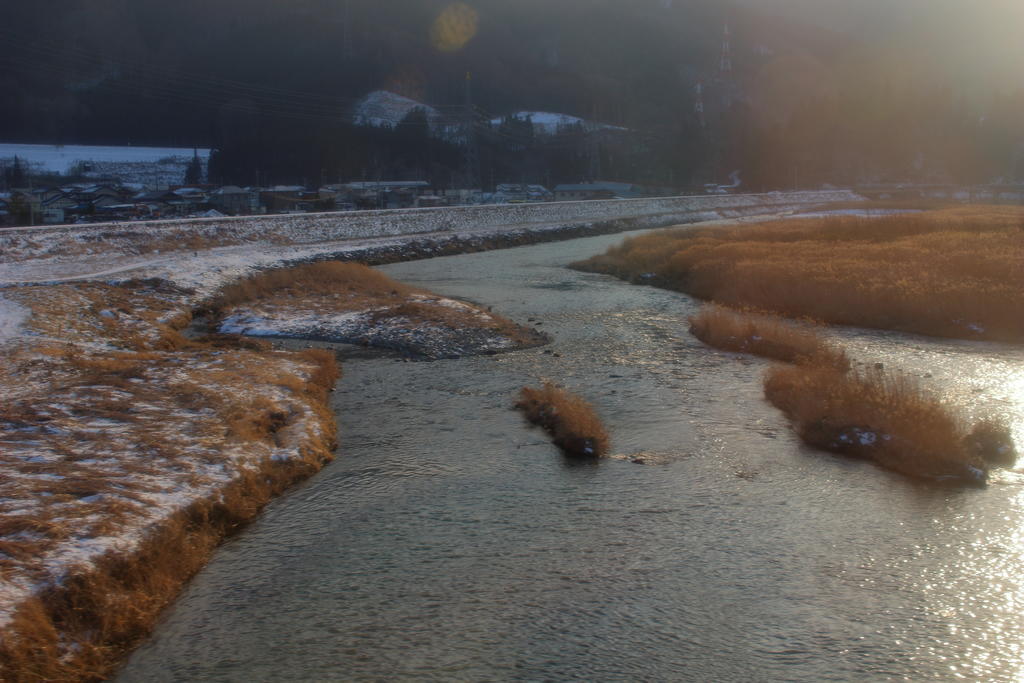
272,86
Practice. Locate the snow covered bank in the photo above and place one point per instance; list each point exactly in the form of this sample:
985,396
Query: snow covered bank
77,246
128,453
353,304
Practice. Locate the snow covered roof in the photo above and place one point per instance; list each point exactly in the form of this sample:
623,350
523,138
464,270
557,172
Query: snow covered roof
548,123
594,187
188,191
230,189
387,184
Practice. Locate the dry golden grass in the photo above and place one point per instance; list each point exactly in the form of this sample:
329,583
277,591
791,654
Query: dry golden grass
955,272
570,420
103,612
102,416
763,335
76,630
353,281
131,316
877,415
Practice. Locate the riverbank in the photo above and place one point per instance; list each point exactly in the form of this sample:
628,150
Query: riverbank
128,453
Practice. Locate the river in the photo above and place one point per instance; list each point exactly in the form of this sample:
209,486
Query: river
450,541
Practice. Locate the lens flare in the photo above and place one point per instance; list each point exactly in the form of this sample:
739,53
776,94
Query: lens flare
454,27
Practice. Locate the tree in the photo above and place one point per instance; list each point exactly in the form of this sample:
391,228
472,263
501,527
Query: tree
14,177
194,172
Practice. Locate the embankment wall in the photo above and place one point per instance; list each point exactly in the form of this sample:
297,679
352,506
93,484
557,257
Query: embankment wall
324,227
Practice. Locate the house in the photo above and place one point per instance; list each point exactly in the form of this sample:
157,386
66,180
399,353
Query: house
583,191
290,199
426,201
538,193
189,200
155,203
53,216
597,190
102,195
509,193
58,199
388,194
337,197
462,197
235,201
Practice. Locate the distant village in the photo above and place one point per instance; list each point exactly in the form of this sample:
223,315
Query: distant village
28,200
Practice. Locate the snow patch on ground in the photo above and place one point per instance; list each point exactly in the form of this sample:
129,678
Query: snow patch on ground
257,323
11,318
866,213
130,164
383,108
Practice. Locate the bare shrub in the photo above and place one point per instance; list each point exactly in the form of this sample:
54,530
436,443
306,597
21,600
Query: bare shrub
569,419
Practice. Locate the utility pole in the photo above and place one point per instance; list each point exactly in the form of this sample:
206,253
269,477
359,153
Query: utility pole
346,33
725,62
698,107
594,145
471,150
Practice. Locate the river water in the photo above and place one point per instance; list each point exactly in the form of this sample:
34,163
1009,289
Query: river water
450,541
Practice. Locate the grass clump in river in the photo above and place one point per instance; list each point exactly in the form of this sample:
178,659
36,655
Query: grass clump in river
874,415
956,272
764,335
570,420
885,417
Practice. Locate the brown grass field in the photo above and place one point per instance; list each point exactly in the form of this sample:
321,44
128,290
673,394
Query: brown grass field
571,421
956,272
